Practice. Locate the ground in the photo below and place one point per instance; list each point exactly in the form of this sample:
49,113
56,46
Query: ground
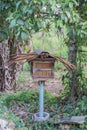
5,125
53,86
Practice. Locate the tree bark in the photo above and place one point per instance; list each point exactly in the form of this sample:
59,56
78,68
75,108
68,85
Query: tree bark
43,40
2,72
73,81
12,51
2,75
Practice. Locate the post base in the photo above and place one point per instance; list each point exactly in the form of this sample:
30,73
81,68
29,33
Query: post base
37,118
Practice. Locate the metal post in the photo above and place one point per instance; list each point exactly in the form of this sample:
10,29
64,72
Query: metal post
41,99
41,115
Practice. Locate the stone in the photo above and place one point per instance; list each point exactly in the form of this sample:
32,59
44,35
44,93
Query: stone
5,125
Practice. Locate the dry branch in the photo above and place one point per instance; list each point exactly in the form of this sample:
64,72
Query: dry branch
31,56
72,120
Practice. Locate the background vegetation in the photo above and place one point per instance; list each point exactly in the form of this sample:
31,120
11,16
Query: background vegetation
59,27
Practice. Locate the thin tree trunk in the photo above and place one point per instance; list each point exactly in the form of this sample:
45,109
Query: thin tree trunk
30,45
2,72
72,57
43,40
12,51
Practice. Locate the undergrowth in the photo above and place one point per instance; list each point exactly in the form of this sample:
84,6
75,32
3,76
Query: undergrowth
53,105
7,115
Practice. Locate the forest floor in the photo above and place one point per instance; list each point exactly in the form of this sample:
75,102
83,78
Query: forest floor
53,86
25,110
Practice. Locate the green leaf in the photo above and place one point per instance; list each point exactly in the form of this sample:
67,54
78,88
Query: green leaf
17,4
66,20
76,3
59,22
71,5
63,16
74,19
2,5
26,49
17,34
20,22
24,36
25,9
2,36
26,1
85,23
13,23
84,32
78,32
68,14
10,17
30,11
18,16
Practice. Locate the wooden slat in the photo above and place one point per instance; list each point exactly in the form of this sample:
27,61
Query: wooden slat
42,69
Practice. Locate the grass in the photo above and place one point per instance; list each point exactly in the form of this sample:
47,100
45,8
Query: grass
31,98
52,105
8,116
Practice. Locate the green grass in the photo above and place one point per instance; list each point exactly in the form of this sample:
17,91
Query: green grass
10,117
52,105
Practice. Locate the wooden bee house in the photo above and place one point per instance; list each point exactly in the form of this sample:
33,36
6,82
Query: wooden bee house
42,66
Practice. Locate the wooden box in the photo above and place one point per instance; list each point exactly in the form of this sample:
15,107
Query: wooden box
42,70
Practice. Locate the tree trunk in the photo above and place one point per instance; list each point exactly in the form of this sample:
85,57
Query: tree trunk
73,81
2,72
43,40
12,51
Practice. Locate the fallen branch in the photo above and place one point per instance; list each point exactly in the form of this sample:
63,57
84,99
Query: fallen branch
71,120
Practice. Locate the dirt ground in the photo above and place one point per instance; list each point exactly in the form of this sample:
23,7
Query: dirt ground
53,86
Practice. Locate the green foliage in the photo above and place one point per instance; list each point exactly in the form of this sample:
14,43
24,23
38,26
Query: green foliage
24,35
53,43
24,17
27,97
23,75
22,97
27,17
82,111
77,109
5,114
82,104
26,67
52,105
30,99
